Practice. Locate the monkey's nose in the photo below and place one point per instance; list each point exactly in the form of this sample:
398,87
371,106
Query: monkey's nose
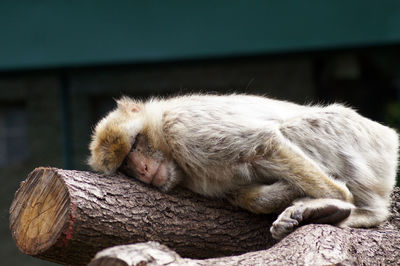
144,169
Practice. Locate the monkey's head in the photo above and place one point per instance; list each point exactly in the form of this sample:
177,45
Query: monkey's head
114,135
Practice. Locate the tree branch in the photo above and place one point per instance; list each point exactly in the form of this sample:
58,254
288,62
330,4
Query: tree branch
309,245
56,214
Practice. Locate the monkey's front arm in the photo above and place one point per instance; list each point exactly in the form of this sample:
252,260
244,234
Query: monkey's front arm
264,198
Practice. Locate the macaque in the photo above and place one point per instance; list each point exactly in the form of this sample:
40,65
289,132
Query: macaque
309,164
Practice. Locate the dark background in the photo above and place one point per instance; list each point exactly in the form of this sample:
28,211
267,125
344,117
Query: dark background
63,62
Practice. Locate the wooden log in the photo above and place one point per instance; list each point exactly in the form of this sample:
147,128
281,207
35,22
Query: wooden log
309,245
67,216
312,244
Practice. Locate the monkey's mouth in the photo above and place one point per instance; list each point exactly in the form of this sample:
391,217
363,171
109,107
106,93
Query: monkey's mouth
160,175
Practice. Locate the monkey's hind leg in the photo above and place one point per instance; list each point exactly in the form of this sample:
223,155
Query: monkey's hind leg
370,213
286,161
307,210
262,198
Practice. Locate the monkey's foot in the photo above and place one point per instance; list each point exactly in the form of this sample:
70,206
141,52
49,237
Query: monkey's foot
323,211
287,222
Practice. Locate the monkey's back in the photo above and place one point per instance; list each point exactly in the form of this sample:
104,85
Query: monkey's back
209,135
361,153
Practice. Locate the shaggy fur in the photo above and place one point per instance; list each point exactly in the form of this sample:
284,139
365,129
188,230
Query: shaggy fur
262,154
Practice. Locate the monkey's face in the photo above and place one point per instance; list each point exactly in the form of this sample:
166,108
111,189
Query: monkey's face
145,163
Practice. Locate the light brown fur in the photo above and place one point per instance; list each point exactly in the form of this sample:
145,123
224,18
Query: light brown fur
261,154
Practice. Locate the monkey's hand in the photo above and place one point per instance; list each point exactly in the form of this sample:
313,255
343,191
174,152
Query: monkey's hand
306,210
262,198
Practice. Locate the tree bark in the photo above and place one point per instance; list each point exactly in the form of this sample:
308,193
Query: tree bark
68,216
309,245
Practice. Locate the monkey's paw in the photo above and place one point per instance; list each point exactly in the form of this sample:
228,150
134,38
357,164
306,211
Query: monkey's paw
287,221
321,211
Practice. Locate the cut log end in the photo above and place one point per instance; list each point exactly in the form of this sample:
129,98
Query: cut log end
40,211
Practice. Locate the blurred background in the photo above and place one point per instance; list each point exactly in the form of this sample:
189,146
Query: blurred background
63,62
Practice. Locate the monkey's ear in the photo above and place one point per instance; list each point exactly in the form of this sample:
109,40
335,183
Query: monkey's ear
136,108
128,105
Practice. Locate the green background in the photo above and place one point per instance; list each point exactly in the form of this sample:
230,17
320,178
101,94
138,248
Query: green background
44,34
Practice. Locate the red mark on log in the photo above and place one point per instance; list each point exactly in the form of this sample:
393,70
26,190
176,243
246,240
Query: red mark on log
68,234
63,241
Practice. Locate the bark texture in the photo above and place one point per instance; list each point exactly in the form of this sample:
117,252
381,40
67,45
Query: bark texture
68,216
309,245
